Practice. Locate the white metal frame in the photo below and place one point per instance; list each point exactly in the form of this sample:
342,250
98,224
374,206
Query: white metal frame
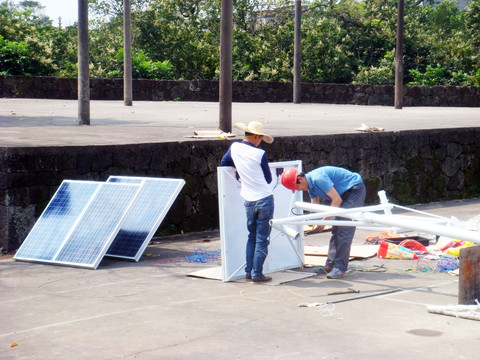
367,217
286,242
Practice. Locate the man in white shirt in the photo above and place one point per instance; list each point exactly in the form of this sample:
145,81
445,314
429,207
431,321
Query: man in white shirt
251,164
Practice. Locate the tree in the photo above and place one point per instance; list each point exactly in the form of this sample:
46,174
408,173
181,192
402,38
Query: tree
343,41
24,48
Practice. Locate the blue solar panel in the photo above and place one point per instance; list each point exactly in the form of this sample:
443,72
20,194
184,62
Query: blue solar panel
55,223
156,198
79,223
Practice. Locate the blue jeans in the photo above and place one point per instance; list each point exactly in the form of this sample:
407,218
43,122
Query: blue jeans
259,214
342,236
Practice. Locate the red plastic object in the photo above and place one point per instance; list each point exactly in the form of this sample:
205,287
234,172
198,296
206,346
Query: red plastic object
413,245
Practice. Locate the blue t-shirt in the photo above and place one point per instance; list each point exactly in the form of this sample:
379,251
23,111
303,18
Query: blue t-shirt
321,180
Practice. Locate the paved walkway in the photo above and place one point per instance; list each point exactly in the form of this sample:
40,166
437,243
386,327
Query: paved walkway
153,310
39,122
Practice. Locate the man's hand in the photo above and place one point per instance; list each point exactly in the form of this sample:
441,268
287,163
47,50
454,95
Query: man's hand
318,228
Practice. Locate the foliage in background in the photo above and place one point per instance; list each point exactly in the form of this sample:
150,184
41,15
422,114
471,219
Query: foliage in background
382,74
343,41
15,59
143,67
328,46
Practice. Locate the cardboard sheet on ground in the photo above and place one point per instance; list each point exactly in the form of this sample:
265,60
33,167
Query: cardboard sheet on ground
214,273
283,253
278,278
314,260
211,134
356,251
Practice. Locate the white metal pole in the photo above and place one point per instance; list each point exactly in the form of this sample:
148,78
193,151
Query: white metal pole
443,230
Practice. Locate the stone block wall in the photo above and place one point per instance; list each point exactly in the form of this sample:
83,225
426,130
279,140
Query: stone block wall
242,91
411,166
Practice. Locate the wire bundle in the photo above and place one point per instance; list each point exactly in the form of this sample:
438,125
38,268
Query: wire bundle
446,264
202,256
443,264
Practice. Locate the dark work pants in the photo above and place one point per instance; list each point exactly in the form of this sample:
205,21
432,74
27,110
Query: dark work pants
342,236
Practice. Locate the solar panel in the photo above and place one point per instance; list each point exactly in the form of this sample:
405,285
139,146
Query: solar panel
156,198
79,223
283,253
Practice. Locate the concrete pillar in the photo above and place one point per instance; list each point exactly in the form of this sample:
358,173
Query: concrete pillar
399,56
127,54
297,57
83,60
225,84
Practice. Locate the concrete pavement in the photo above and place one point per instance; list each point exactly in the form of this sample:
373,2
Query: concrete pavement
153,310
23,121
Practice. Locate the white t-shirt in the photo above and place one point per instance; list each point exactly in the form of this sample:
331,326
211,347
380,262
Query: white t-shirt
248,162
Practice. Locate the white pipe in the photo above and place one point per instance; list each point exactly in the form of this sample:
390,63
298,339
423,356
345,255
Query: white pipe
359,224
422,218
442,230
355,213
362,216
336,211
384,206
384,200
321,222
421,212
291,234
316,207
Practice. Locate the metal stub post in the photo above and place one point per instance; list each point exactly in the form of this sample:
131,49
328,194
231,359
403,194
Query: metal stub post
469,280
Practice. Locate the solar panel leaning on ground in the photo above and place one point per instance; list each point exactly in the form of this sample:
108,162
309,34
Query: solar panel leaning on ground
156,198
79,223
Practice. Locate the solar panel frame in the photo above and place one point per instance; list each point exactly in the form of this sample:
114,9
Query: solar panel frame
79,223
154,202
282,254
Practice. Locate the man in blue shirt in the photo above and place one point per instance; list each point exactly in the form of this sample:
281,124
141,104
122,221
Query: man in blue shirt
251,164
344,189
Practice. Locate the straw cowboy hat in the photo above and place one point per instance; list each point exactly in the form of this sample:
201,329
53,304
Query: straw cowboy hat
254,127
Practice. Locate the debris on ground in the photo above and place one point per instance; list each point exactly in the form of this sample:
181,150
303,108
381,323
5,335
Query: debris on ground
471,312
366,128
388,250
443,256
211,134
202,256
377,237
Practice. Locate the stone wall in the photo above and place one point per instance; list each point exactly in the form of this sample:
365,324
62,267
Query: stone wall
411,166
242,91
